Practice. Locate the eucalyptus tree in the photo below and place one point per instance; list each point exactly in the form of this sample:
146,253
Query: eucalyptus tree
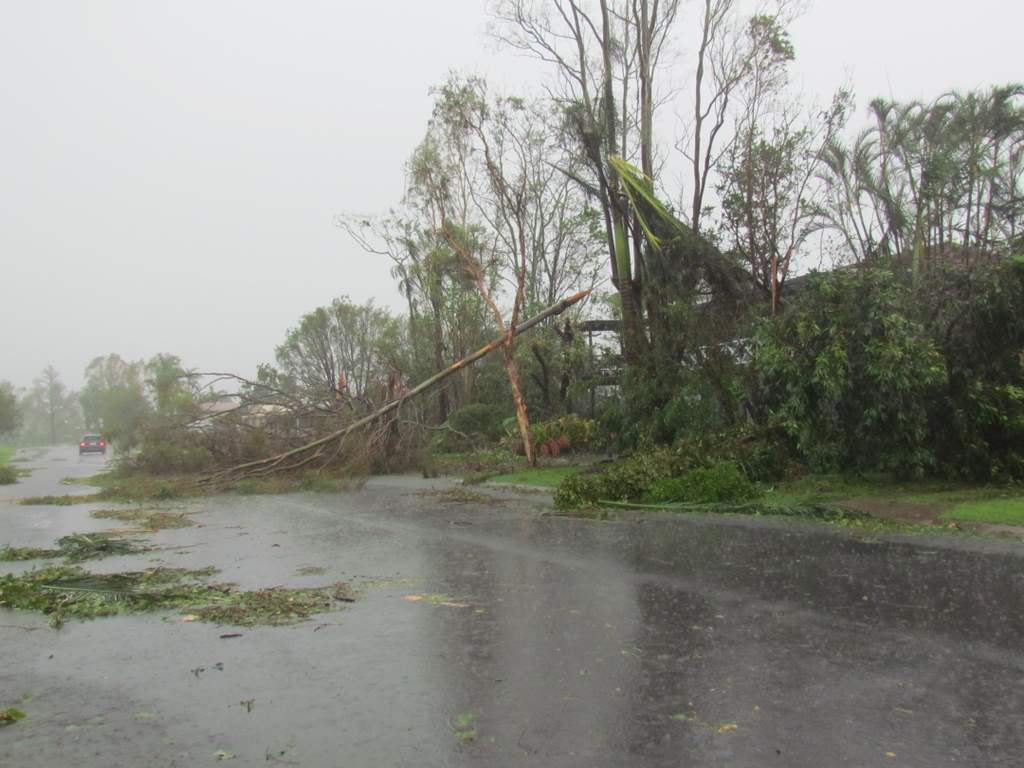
499,147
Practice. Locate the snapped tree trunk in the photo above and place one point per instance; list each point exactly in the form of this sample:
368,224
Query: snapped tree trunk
508,353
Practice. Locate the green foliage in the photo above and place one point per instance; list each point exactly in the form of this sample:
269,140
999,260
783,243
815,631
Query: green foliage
11,554
571,432
471,426
171,388
8,475
52,501
977,319
848,374
163,454
723,482
624,480
342,352
10,715
65,591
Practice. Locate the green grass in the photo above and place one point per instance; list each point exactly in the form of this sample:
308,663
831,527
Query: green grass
1004,511
821,489
6,452
541,477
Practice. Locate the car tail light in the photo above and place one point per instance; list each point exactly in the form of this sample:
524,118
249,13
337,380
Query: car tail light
81,445
103,443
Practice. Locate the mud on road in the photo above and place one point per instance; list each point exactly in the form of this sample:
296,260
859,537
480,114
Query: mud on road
493,634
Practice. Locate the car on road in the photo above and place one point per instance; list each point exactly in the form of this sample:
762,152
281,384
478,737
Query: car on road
92,444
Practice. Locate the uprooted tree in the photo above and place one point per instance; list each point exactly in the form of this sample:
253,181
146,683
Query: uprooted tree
331,447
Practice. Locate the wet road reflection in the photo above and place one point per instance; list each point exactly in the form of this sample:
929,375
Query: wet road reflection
670,642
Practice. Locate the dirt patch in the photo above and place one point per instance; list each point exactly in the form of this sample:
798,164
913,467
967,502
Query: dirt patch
902,511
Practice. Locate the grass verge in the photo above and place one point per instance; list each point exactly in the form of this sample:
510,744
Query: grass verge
1002,511
538,477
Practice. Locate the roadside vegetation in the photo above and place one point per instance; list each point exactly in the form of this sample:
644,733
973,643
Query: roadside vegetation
8,473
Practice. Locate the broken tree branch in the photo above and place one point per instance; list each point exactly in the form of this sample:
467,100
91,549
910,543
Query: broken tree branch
297,456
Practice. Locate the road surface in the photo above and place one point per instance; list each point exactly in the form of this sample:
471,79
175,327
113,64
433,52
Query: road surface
529,640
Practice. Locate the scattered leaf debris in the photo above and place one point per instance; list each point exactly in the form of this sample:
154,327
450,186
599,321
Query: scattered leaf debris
150,521
66,591
444,600
10,715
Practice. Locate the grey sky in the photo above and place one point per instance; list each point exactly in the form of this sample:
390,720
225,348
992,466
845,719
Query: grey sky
171,170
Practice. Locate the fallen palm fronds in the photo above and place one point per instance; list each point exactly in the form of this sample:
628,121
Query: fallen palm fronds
77,547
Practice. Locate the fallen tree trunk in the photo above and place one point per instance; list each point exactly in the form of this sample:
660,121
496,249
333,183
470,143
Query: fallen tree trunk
306,454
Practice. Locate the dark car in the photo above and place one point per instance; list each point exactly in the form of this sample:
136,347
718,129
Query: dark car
92,444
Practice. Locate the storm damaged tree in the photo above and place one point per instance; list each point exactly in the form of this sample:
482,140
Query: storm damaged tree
498,145
446,318
606,56
768,174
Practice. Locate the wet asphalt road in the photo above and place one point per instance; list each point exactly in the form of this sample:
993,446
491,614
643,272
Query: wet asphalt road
692,641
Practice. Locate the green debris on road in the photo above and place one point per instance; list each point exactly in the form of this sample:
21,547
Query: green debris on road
63,592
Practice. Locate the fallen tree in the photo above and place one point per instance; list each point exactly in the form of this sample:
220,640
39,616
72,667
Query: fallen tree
330,446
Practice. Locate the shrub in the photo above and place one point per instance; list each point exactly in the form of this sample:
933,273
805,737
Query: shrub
628,479
977,319
170,458
8,475
569,432
470,427
848,372
723,483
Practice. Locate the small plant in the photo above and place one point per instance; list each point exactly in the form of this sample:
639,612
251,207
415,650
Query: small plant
8,475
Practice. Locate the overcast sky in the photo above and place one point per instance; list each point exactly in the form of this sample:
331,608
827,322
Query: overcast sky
170,171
